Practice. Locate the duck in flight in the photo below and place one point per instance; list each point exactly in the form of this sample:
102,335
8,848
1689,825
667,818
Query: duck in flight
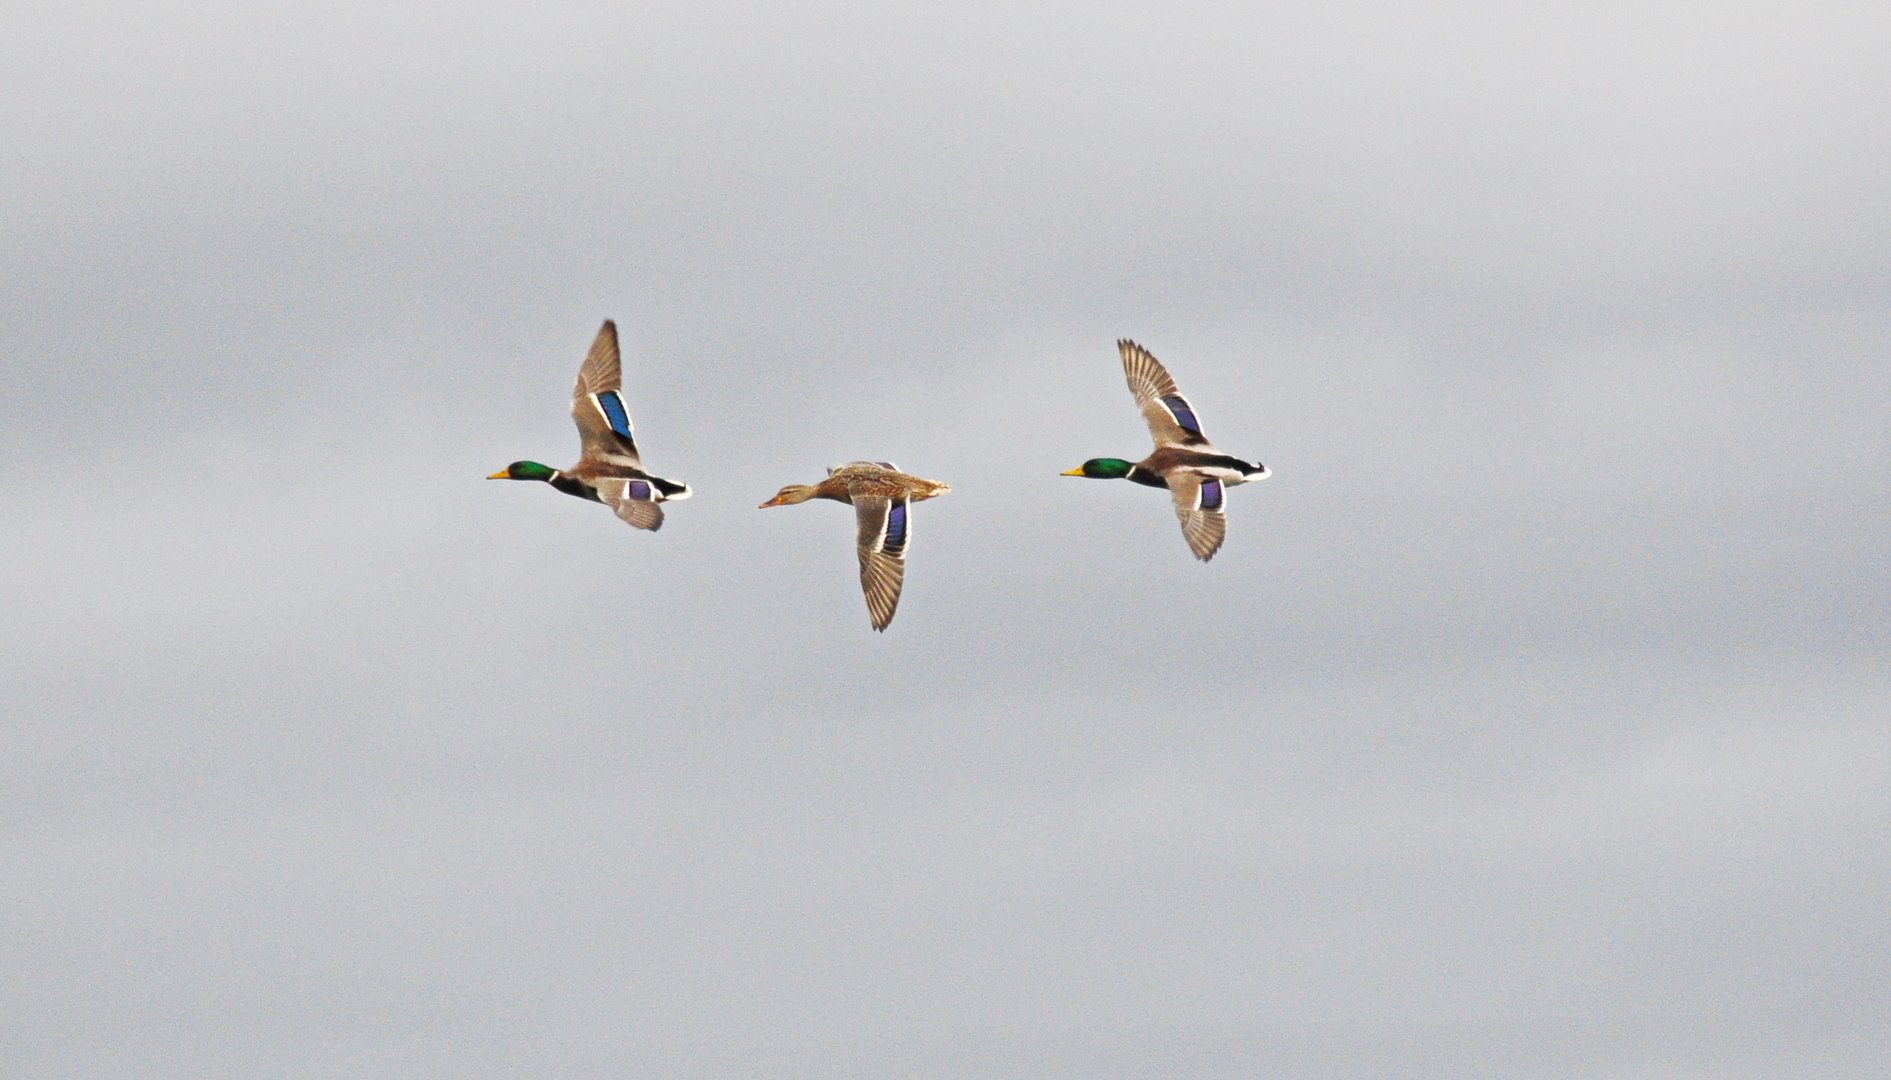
882,498
609,469
1196,474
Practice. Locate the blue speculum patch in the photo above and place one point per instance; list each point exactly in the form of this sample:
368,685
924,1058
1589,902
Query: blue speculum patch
640,490
613,407
895,528
1183,414
887,465
1211,494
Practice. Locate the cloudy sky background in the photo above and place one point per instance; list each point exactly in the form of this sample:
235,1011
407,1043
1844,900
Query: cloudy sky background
1531,722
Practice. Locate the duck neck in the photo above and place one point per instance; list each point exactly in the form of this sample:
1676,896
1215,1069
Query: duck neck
799,493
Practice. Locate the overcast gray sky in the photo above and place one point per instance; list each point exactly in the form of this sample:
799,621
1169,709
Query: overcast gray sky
1532,722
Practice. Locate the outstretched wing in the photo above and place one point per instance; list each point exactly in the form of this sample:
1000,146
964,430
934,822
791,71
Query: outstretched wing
1198,501
633,499
597,404
1170,417
885,528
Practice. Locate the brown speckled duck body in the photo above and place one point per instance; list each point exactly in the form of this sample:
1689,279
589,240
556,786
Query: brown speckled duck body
882,497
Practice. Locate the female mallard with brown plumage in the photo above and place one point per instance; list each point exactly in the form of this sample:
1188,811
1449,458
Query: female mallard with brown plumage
609,469
881,496
1194,471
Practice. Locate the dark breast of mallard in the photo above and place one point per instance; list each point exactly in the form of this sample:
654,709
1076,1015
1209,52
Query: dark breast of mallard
572,485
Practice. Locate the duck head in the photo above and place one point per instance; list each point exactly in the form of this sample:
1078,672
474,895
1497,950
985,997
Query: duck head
1102,468
525,470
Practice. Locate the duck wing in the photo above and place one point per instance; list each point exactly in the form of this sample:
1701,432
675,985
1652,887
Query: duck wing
633,499
1198,503
1170,417
597,404
885,528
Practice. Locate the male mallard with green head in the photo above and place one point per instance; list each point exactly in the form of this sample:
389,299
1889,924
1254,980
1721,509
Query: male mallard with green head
1194,471
881,496
609,469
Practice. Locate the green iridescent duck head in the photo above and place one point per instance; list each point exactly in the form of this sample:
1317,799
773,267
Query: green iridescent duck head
1102,468
525,470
